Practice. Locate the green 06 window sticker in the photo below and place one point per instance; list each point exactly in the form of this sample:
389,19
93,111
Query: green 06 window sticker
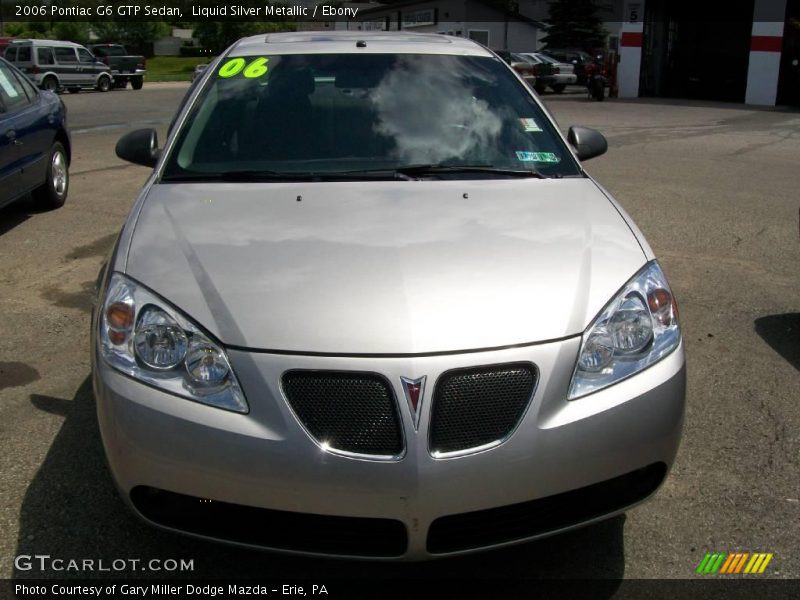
253,70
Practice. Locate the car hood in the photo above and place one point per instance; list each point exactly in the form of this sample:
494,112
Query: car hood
384,267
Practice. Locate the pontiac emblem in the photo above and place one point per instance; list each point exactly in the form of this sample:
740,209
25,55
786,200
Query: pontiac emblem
413,390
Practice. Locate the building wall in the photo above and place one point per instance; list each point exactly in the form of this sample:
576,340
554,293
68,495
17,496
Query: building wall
457,17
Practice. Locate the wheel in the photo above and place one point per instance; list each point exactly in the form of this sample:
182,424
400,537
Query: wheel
103,84
540,88
558,88
50,84
74,90
598,90
53,193
137,83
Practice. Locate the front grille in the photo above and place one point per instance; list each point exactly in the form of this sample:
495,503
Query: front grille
477,406
350,412
519,521
278,529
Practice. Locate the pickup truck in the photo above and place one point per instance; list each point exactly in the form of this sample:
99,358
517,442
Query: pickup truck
124,67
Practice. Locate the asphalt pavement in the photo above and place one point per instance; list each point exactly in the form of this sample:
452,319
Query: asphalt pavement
712,186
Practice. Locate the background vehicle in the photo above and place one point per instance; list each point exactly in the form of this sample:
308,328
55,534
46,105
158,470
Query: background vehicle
577,58
124,67
596,77
4,42
54,65
544,71
198,70
564,73
34,141
521,65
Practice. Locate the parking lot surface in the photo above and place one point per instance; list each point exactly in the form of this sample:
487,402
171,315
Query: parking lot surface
714,189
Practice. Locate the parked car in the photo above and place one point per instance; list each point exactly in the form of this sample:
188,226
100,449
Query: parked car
54,65
520,64
124,67
35,147
335,323
564,73
577,58
199,70
544,71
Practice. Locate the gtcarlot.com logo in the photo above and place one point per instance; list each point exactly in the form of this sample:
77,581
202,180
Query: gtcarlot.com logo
45,562
732,563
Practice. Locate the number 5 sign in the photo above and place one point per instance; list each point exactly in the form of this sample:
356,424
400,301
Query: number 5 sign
634,13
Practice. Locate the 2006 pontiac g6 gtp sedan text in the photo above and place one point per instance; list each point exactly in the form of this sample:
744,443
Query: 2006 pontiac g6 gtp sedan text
369,304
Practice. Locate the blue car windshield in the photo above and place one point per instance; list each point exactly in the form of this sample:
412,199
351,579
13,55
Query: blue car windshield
346,113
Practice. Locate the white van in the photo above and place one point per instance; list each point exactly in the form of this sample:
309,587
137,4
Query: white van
55,65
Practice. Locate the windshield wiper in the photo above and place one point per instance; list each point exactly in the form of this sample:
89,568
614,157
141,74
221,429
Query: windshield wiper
433,169
243,176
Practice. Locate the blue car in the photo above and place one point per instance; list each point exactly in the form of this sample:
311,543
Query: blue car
35,146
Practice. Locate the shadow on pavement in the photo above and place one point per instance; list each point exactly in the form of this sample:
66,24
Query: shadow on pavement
71,511
782,333
16,213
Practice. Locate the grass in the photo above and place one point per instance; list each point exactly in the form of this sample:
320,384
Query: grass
172,68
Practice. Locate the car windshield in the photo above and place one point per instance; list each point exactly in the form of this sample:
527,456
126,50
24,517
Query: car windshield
346,114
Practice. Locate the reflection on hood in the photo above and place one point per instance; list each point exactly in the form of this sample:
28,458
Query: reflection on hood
430,113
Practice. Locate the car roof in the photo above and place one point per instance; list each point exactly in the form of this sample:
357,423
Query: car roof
38,42
347,42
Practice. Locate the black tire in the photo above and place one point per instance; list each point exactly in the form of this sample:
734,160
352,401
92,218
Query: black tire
540,88
559,87
74,90
53,193
598,90
50,84
137,83
103,83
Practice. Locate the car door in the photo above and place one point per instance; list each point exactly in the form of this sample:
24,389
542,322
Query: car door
88,67
12,100
34,125
67,61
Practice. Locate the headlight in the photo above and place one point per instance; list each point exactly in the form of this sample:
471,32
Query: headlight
145,338
636,329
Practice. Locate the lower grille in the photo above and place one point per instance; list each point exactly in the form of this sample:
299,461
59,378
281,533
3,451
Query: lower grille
350,412
474,407
282,530
519,521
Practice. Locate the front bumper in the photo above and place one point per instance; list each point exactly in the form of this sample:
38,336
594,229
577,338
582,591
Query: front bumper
266,460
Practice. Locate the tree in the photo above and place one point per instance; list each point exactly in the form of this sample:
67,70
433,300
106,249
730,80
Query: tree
136,34
575,24
72,31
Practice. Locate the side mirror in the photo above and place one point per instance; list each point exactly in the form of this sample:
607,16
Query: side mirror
588,143
139,147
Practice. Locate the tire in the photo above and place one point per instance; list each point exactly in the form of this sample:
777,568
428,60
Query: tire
50,84
540,88
54,192
598,90
559,87
103,84
137,83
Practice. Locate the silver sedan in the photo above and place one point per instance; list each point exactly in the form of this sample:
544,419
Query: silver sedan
369,304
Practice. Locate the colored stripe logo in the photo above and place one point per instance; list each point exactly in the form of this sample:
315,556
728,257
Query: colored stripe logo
734,563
